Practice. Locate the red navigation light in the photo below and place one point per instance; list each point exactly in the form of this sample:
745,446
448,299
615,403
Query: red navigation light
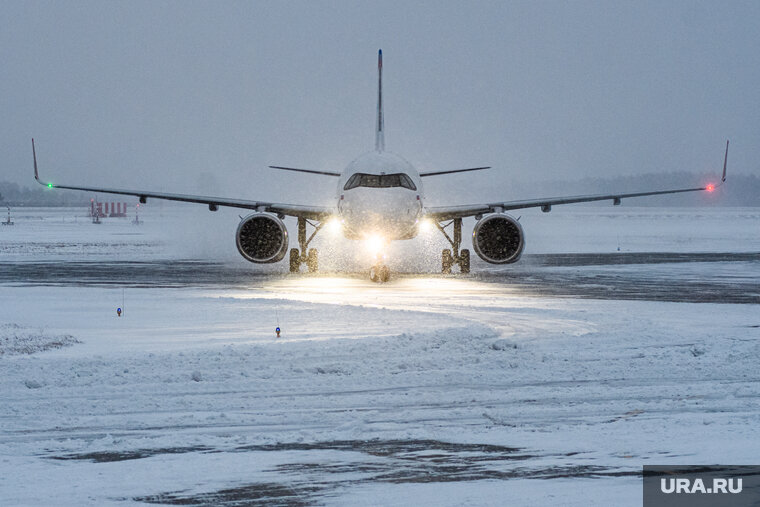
710,187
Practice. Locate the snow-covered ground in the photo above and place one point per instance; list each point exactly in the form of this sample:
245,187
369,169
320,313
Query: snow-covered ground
549,382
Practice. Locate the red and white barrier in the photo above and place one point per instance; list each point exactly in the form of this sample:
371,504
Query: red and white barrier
101,209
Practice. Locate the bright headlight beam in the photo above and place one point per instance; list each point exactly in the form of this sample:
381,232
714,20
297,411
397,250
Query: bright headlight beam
426,225
334,225
375,244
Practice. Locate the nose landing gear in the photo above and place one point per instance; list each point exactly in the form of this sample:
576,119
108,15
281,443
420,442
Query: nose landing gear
379,273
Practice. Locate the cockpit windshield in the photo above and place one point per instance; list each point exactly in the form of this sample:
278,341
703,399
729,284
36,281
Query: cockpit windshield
380,181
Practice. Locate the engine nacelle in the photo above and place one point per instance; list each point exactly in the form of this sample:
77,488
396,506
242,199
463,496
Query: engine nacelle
262,238
498,239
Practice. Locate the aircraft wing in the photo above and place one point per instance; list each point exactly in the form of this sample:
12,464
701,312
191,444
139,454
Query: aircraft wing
451,212
309,212
447,213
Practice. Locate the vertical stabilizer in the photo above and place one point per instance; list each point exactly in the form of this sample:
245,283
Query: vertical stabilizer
379,127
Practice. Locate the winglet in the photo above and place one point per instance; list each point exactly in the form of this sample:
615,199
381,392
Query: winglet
725,162
34,154
380,128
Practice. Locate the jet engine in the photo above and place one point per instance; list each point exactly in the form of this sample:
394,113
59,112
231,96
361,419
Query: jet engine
262,238
498,239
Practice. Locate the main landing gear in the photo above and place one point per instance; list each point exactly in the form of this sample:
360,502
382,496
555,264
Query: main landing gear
455,255
304,254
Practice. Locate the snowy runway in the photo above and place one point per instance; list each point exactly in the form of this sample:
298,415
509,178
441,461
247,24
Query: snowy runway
550,382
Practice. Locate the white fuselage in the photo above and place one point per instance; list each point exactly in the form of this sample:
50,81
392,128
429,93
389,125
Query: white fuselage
380,194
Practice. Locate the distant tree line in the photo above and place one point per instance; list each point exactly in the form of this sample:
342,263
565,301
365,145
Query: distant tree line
740,190
13,194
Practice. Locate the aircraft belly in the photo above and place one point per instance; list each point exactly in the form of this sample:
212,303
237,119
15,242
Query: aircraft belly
357,226
391,214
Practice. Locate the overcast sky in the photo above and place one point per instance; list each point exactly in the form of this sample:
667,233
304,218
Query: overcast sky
201,96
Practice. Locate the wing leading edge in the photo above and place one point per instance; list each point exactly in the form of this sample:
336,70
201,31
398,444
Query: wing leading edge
451,212
452,171
309,212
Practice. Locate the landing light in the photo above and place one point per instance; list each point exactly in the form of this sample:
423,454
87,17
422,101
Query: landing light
375,244
334,225
426,225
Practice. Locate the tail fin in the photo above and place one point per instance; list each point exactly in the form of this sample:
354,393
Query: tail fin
380,128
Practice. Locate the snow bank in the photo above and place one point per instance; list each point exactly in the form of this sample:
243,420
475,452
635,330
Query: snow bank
19,340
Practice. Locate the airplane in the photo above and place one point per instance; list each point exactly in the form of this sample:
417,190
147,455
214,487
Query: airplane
379,199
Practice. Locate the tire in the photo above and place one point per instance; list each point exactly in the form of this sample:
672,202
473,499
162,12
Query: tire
295,260
312,260
385,274
379,273
446,261
464,261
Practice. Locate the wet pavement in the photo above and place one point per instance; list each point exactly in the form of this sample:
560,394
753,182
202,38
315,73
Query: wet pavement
307,480
676,277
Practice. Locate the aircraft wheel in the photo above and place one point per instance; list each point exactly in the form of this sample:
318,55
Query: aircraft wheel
379,273
446,261
311,260
464,261
295,260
